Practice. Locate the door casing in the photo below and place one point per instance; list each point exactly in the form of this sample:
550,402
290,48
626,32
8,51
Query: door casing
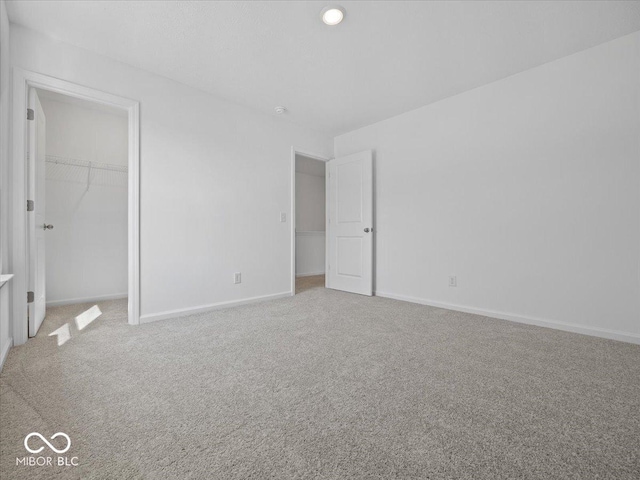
22,81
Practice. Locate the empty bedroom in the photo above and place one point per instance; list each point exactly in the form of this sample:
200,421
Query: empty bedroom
307,239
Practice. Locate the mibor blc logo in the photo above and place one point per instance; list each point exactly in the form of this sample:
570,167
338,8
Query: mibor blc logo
56,435
35,443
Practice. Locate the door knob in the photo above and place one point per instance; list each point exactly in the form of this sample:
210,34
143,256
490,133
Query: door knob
366,230
48,227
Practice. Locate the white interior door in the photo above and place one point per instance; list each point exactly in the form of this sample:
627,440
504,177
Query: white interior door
36,218
350,234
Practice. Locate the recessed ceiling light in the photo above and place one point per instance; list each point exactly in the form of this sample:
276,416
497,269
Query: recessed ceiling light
332,15
280,110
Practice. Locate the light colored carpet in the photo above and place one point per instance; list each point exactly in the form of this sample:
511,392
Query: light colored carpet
323,385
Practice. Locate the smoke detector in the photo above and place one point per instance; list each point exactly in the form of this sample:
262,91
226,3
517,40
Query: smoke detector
280,110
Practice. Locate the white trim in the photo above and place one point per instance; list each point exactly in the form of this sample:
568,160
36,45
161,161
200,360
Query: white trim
134,215
312,274
99,298
327,223
5,352
567,327
314,156
183,312
22,80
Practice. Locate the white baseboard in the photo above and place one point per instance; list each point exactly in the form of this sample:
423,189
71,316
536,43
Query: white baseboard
5,351
309,274
567,327
100,298
154,317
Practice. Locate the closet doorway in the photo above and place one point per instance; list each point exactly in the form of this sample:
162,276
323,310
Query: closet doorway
28,181
309,222
80,228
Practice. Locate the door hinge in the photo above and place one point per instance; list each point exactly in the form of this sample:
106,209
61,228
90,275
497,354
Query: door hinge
30,114
30,297
30,206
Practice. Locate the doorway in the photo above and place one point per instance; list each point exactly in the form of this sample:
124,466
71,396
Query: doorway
309,221
82,217
76,169
345,245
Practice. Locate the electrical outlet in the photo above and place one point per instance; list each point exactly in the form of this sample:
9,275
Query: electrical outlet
283,217
237,277
453,281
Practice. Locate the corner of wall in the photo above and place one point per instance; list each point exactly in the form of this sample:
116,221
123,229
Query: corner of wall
6,341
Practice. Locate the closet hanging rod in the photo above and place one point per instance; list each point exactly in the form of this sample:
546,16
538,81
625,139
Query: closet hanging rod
82,163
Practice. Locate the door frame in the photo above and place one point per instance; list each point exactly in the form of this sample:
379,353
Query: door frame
22,81
322,158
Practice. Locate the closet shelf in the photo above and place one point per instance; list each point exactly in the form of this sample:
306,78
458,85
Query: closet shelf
73,162
84,171
5,278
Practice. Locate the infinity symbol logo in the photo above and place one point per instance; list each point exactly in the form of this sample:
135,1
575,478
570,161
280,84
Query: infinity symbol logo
36,434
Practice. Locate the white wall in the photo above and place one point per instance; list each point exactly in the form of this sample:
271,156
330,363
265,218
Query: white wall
310,216
214,179
310,202
86,252
527,190
5,328
78,129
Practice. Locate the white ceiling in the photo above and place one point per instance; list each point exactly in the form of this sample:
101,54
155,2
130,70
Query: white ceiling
385,58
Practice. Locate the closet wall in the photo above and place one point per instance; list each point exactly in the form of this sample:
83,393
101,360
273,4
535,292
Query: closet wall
86,252
310,216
